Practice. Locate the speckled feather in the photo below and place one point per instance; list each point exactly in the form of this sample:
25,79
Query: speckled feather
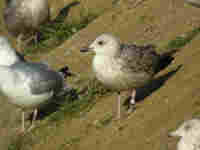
138,59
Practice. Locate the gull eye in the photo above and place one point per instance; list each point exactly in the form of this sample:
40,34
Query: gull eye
187,127
100,42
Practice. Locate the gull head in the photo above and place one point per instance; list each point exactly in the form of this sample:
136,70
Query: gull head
105,44
187,128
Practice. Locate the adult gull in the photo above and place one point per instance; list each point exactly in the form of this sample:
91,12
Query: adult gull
26,84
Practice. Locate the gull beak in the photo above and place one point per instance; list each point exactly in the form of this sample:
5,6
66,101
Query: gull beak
173,134
85,49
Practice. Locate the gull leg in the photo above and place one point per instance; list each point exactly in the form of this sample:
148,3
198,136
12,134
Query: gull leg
172,6
23,127
19,41
119,106
33,120
132,102
35,38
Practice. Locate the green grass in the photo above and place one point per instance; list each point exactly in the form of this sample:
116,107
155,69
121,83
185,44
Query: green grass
80,101
144,19
141,19
181,41
114,2
22,142
54,33
76,104
104,121
69,142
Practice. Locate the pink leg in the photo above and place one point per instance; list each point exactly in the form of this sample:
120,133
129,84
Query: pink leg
33,120
132,102
19,42
119,105
23,127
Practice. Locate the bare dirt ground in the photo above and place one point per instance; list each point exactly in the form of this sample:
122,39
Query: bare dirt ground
174,100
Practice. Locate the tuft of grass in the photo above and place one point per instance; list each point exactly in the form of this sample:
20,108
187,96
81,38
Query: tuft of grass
80,102
141,19
21,143
114,2
144,19
104,121
69,142
181,41
55,32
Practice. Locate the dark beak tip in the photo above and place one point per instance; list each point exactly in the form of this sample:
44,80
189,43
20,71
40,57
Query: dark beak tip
85,49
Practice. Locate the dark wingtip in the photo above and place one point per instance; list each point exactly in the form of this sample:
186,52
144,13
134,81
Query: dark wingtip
166,59
65,71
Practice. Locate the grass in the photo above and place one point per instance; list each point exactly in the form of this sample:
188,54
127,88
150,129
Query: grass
80,101
104,121
181,41
69,142
21,143
76,104
54,33
144,19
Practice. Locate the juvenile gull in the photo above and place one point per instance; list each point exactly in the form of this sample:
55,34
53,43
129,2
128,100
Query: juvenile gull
26,84
23,17
189,133
124,66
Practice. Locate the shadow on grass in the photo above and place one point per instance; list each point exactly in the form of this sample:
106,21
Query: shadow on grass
148,89
57,103
177,43
64,12
181,41
75,103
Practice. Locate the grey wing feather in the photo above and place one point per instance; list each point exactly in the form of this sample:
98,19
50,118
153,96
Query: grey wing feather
139,58
49,82
42,79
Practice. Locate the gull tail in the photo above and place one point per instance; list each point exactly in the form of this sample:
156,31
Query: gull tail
166,59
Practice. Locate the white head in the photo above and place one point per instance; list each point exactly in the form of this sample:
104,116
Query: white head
105,44
7,53
189,127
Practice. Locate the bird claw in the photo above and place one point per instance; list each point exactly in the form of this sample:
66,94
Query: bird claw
131,109
30,128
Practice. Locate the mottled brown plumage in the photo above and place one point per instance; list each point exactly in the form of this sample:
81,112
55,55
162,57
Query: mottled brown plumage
126,66
145,58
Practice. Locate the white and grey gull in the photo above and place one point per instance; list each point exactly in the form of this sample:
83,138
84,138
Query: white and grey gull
125,66
26,84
